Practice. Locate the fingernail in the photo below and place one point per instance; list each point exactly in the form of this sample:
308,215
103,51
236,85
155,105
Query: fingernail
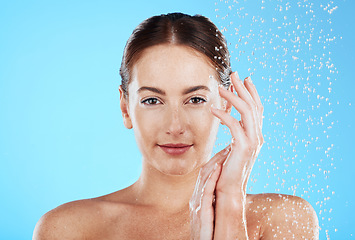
221,87
226,151
236,74
249,80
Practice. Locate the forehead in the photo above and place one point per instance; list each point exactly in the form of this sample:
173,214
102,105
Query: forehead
172,65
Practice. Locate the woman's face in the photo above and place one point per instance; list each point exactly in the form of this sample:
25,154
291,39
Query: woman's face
170,94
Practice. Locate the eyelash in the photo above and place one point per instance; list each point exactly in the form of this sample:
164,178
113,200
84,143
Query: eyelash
146,100
200,99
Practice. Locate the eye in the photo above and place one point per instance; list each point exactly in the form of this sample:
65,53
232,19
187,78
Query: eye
150,101
197,100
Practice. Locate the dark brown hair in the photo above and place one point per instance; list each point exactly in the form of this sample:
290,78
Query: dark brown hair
197,32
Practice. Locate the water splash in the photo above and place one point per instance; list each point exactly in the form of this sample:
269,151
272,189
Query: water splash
286,47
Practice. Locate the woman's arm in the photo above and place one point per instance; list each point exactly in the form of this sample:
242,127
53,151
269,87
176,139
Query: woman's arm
282,216
230,187
230,222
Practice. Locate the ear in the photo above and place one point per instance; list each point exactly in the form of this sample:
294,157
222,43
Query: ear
125,110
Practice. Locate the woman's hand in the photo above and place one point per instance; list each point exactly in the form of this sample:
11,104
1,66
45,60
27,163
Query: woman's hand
203,199
218,203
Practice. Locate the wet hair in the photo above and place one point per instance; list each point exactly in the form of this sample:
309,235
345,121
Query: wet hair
197,32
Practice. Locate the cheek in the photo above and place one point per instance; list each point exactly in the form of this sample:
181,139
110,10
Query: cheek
204,122
145,123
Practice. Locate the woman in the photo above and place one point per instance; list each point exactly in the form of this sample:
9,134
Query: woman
177,87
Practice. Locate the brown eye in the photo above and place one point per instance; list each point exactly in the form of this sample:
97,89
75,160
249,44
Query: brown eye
197,100
150,101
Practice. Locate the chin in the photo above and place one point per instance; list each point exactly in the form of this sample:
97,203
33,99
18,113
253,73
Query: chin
177,169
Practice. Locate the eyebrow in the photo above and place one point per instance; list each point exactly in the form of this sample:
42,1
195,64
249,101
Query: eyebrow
185,91
195,88
152,89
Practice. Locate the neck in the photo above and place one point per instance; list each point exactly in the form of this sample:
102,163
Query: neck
170,193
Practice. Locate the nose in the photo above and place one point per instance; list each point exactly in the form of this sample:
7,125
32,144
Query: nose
175,122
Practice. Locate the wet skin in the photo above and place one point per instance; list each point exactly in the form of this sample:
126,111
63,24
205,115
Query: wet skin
169,102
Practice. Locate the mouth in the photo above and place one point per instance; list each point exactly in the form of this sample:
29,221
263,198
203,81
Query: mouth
175,149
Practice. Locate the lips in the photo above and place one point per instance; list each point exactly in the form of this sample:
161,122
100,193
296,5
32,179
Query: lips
175,149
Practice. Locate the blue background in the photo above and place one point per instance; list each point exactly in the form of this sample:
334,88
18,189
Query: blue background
61,131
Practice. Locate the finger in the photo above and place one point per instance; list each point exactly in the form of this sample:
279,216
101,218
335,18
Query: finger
207,196
244,94
234,126
253,92
246,113
206,170
218,158
241,90
257,110
201,206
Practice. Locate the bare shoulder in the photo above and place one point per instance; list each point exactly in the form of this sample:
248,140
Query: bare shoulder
82,219
283,216
65,221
